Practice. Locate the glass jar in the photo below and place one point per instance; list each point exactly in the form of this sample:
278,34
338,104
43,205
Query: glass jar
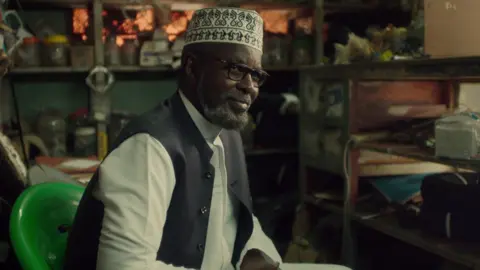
56,51
302,51
277,50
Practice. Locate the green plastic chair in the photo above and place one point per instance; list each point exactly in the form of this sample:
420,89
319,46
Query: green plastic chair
39,223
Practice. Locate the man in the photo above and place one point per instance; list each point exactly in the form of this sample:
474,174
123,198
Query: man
173,193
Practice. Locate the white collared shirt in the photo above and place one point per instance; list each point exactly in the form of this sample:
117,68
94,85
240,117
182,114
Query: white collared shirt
136,203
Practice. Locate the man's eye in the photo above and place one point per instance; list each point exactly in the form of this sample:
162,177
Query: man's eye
234,68
255,76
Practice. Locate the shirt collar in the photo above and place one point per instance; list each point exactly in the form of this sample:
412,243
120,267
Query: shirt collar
208,130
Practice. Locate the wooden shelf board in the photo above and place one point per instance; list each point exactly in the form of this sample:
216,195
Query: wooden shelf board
414,152
403,169
134,69
46,70
459,68
115,69
462,253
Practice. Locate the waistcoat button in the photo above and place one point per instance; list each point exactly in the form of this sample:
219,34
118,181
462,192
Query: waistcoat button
208,175
204,210
200,247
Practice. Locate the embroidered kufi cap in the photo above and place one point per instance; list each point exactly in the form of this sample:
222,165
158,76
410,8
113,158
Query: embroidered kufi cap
226,25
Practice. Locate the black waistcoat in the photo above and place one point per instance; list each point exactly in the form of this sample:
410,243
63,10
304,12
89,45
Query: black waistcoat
185,231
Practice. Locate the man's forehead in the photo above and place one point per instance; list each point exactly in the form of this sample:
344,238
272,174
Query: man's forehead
245,60
240,54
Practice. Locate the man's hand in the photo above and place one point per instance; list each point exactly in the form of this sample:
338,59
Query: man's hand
257,260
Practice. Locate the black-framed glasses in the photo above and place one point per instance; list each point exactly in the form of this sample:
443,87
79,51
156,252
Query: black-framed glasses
237,72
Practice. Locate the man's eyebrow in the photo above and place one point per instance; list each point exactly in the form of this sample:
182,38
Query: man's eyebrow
236,59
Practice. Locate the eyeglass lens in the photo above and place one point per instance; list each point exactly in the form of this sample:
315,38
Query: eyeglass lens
237,73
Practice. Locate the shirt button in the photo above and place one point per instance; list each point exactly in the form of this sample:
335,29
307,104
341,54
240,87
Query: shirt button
203,210
208,175
200,247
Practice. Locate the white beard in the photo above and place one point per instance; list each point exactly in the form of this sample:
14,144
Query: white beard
222,115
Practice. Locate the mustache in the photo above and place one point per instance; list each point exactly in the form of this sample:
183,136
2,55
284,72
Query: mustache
237,95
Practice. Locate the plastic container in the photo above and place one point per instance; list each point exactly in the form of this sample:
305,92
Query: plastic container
112,52
130,52
56,51
28,55
52,129
85,141
82,134
464,130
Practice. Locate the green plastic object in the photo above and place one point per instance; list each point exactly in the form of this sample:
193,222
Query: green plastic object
39,224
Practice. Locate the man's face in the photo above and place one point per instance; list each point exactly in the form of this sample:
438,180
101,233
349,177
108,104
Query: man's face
228,84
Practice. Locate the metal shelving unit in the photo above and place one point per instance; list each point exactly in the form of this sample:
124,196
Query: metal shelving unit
449,73
101,113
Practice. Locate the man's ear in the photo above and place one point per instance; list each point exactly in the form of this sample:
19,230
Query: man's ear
189,67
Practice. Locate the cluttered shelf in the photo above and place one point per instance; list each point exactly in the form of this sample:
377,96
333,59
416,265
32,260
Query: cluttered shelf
47,70
75,70
169,69
413,152
134,69
116,69
464,68
387,223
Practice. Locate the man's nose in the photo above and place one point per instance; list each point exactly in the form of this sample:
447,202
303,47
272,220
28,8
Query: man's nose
248,85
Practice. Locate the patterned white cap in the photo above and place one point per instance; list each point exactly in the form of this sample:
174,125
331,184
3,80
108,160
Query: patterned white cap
226,25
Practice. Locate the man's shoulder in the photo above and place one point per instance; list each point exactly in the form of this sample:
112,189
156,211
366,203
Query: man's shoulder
158,123
152,120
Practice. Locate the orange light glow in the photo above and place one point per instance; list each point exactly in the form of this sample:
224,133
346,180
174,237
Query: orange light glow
179,23
305,24
80,20
120,40
275,21
144,21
